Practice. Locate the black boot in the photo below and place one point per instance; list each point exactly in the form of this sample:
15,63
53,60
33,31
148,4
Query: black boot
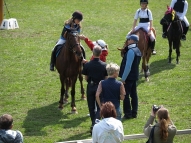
184,33
53,59
153,47
164,29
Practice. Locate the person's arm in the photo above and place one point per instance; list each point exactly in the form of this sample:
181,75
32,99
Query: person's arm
94,134
172,3
98,92
151,21
185,10
122,92
89,43
130,57
148,126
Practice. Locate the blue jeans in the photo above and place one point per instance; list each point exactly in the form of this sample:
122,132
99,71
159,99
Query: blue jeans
118,111
130,107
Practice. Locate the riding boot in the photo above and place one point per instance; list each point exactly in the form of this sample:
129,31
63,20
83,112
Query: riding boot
53,59
185,30
153,47
164,28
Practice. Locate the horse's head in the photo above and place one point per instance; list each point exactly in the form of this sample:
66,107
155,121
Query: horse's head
169,16
123,50
73,42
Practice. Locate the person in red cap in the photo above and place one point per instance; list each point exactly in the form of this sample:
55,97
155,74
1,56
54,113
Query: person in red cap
72,24
100,43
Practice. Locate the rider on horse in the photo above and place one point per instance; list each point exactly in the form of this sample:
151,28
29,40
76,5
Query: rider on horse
72,24
181,7
145,22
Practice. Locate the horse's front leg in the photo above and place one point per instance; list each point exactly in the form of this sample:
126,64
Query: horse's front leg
66,91
144,67
83,97
73,105
62,91
170,51
177,54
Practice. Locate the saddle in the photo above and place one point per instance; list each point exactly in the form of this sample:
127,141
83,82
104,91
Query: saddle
59,47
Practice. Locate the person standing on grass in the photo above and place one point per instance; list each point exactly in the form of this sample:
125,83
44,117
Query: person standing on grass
109,129
164,130
129,73
111,89
94,71
100,43
7,135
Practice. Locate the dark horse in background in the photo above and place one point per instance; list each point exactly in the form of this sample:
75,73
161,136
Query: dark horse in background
174,32
69,66
144,46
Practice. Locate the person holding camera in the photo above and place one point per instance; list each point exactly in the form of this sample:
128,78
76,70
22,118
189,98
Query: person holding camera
164,130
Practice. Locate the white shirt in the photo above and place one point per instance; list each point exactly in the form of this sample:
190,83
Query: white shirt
180,15
143,14
108,130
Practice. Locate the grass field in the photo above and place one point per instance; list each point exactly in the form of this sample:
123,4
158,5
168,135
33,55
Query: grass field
30,92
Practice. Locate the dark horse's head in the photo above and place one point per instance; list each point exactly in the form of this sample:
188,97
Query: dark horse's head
73,42
170,16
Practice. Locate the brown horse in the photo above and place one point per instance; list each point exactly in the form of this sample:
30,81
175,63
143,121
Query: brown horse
68,64
144,46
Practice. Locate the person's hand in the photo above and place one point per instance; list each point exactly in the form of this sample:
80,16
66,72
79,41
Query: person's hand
82,37
133,30
122,81
152,112
84,61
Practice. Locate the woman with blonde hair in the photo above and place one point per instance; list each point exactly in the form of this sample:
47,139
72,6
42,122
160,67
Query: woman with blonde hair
164,130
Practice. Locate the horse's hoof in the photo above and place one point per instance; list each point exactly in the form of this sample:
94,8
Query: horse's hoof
60,107
147,79
74,111
83,98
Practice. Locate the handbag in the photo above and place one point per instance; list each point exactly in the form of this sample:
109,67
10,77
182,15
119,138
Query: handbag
150,140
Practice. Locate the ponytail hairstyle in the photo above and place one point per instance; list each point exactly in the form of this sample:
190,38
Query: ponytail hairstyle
164,120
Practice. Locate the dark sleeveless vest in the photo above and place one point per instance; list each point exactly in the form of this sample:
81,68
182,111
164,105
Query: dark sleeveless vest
179,6
111,91
134,72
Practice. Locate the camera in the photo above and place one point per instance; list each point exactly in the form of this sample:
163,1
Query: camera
156,108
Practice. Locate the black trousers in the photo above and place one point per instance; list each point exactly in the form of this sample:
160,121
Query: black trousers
91,99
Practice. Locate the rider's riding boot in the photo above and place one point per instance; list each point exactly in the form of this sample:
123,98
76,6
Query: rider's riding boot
153,47
53,59
164,28
184,33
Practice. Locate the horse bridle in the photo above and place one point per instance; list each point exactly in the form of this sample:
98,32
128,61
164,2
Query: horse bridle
71,48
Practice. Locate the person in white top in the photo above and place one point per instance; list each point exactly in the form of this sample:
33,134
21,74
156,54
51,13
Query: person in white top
181,8
145,22
109,129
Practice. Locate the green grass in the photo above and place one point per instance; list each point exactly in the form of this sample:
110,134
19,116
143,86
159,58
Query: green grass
30,92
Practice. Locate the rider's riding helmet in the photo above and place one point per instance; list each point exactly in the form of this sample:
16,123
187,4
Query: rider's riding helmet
145,1
77,15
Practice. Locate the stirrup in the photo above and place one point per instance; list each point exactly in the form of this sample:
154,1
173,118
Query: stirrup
164,35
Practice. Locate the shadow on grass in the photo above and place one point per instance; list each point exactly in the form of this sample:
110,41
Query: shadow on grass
157,67
39,118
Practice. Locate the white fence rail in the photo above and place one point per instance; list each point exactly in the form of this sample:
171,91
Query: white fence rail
128,137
